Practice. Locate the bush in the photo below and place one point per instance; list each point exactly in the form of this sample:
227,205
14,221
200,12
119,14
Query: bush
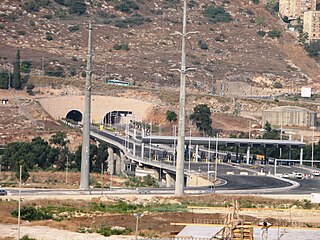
255,1
73,28
47,16
1,26
32,23
105,231
261,33
77,7
272,6
25,66
31,6
4,79
274,34
54,71
30,213
121,46
126,6
277,85
216,14
22,32
203,45
312,48
26,237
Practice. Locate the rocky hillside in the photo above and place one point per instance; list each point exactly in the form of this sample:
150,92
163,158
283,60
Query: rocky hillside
248,53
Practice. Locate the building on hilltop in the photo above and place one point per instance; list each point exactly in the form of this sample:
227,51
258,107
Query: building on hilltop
311,25
289,116
293,9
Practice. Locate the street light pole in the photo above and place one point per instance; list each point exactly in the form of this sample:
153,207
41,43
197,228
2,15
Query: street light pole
216,162
19,206
312,147
138,216
209,158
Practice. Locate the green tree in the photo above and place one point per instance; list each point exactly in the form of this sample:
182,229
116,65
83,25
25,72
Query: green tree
216,14
4,79
77,7
270,133
98,154
16,77
171,116
25,66
201,116
313,48
267,127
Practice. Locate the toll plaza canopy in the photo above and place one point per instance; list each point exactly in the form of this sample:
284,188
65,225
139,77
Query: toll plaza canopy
241,142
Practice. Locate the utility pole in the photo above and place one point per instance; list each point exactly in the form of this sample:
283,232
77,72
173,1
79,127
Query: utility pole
179,185
42,66
85,156
19,205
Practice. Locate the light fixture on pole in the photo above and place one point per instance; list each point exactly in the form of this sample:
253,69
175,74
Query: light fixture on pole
179,185
19,205
137,216
312,146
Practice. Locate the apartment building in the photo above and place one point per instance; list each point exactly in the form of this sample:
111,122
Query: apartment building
311,24
296,8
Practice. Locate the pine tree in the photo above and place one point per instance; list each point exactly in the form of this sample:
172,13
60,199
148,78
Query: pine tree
16,77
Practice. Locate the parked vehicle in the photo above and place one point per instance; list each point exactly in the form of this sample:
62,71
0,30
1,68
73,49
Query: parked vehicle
3,192
316,173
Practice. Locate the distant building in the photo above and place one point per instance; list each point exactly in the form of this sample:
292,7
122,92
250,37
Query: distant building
311,24
289,116
4,101
294,9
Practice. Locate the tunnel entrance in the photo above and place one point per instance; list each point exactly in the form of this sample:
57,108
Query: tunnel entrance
115,117
74,115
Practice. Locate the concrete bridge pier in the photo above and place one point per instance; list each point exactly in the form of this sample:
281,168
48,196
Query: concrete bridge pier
301,152
197,153
170,180
111,161
117,163
142,150
122,159
248,155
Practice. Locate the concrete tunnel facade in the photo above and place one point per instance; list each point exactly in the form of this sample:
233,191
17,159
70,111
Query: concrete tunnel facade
63,106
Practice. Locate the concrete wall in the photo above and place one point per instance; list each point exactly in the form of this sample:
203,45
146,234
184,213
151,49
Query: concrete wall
58,107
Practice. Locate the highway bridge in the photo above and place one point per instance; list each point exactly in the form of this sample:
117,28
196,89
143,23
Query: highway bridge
238,177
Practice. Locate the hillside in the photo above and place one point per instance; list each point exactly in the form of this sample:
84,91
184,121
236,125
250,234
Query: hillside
235,59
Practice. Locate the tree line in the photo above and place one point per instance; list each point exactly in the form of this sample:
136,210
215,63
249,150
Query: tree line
53,155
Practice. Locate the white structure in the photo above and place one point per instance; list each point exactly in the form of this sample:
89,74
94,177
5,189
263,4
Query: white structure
306,92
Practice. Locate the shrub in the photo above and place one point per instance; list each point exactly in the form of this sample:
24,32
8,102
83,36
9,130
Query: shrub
22,32
277,85
105,231
73,28
30,213
126,6
4,79
261,33
216,14
1,26
25,66
77,7
312,48
272,6
255,1
121,46
203,45
275,33
54,71
31,6
26,237
62,2
47,16
49,36
32,23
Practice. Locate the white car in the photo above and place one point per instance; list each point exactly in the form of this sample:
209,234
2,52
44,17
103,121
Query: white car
298,175
316,173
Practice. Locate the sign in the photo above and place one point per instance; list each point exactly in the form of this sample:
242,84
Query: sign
305,92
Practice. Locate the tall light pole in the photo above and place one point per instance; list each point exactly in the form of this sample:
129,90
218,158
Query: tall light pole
85,156
312,146
138,216
19,205
179,185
